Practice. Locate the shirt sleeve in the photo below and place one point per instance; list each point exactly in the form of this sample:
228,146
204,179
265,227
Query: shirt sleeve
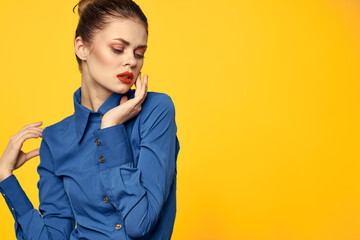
54,219
139,192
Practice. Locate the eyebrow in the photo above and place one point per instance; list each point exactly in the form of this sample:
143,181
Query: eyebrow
127,43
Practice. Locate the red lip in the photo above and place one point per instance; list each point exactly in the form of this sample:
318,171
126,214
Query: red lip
124,79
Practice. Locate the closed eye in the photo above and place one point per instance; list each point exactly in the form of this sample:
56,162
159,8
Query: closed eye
119,51
139,56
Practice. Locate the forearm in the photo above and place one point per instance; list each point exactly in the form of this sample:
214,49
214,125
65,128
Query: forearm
29,223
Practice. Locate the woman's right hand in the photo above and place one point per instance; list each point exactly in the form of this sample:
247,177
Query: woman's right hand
13,157
127,108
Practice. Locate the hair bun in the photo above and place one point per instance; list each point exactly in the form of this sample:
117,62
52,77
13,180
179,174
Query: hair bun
82,6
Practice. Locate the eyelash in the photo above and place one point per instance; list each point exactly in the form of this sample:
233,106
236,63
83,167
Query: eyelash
118,51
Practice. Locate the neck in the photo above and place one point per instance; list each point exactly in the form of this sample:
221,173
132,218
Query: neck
93,95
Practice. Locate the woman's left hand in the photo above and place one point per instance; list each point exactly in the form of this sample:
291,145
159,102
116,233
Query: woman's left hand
127,108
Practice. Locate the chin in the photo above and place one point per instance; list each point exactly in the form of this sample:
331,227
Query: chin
122,89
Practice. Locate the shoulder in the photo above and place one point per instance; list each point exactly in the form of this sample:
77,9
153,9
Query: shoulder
56,131
157,112
158,101
54,139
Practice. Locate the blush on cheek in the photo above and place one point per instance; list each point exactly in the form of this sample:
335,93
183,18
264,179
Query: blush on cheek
103,58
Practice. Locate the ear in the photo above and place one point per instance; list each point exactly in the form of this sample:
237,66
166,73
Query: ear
80,48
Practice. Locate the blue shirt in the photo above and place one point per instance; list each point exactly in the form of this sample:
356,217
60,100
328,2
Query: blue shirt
117,182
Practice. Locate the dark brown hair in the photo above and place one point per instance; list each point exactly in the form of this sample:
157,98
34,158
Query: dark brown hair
94,16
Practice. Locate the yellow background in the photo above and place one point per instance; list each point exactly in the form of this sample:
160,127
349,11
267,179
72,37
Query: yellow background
267,107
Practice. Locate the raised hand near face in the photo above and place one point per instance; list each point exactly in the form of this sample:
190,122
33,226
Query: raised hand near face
127,108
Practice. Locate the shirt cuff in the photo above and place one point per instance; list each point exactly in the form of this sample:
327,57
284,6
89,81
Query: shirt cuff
113,147
15,197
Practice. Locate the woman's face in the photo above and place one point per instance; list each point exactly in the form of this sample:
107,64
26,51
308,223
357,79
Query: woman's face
118,48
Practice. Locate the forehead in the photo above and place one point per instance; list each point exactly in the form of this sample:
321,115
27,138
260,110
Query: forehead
131,30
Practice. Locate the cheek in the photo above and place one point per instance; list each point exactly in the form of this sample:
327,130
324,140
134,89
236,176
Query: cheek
103,58
140,65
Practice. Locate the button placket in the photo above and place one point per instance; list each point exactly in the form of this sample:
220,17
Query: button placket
101,159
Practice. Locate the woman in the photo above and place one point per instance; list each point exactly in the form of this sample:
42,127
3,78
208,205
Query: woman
110,168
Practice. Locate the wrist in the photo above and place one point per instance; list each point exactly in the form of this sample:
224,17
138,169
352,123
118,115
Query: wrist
105,124
4,175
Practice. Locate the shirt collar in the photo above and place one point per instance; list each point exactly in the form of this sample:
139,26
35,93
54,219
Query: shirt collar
82,113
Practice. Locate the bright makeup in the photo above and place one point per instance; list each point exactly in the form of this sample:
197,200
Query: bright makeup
126,77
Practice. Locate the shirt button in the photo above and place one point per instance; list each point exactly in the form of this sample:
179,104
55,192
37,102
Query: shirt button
97,142
118,226
101,159
101,115
106,199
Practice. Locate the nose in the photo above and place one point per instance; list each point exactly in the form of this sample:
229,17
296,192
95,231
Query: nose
129,59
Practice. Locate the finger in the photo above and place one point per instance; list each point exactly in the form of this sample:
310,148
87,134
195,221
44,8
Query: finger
32,131
32,154
123,99
142,94
20,160
147,80
33,124
144,88
20,139
37,129
138,85
24,157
